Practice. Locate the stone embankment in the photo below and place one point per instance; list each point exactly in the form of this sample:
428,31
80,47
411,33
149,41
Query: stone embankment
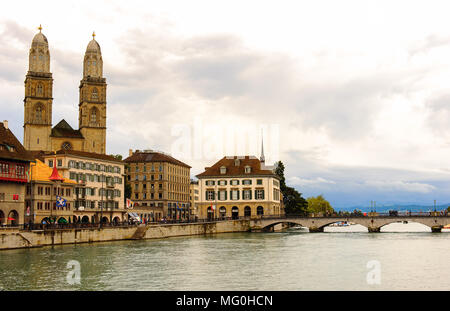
11,238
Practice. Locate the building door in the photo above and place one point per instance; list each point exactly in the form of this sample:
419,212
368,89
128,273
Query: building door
247,211
235,212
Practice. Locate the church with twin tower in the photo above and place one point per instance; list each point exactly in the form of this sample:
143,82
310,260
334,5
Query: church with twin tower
39,135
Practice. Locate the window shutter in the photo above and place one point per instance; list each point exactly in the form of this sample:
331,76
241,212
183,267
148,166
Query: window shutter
250,192
238,194
226,195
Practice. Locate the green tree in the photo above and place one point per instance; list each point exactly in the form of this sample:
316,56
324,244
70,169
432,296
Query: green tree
319,205
293,201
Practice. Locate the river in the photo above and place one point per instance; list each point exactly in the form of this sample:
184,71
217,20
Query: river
289,260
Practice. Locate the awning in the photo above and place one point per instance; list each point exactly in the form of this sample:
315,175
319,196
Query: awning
135,216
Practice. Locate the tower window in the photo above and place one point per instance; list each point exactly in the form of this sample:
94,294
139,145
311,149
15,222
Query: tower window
39,89
94,94
94,114
38,113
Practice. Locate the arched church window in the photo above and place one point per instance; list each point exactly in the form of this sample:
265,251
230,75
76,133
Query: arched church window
94,114
94,94
41,57
38,113
39,89
66,146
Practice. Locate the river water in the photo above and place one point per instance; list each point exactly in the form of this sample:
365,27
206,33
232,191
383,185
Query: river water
290,260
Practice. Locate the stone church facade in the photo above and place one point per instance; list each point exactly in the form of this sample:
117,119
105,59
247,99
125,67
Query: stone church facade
39,135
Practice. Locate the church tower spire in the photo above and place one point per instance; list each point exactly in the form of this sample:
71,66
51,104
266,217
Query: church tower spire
38,96
92,105
262,158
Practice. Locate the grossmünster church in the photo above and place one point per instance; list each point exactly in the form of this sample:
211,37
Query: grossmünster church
38,131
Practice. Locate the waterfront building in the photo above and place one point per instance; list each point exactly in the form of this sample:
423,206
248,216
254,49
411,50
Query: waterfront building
14,165
99,190
159,185
44,193
239,186
194,197
38,132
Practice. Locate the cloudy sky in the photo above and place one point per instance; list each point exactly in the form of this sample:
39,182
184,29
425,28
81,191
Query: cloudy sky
353,96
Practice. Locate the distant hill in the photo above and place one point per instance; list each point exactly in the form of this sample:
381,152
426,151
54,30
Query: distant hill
386,208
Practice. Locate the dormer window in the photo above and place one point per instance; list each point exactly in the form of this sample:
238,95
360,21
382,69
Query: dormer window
248,169
236,162
223,170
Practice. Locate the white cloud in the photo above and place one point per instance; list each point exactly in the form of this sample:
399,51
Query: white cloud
360,96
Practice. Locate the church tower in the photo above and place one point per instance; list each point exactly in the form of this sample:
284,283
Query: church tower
38,96
92,106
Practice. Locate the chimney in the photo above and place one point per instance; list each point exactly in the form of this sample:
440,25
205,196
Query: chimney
130,153
5,124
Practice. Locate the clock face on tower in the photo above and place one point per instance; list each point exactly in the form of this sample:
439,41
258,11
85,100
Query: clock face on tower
66,146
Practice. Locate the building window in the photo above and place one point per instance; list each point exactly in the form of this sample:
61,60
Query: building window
248,169
94,94
50,163
38,113
209,195
247,182
259,181
234,194
235,182
94,115
59,162
222,195
247,194
259,194
222,182
223,170
210,183
39,89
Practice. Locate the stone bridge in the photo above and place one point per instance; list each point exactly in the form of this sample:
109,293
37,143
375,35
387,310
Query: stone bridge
373,223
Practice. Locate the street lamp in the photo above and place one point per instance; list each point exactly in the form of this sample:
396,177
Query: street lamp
435,205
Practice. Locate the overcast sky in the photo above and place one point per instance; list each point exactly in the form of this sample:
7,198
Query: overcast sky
353,96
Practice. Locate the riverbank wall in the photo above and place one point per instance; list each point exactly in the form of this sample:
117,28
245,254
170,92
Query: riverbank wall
11,238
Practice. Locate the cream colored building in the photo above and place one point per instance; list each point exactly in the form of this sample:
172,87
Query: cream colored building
38,131
100,184
159,185
194,198
237,187
41,195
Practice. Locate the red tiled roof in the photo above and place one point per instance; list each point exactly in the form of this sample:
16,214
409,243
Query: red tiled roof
8,140
233,170
153,156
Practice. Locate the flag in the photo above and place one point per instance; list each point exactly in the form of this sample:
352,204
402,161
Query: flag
129,203
60,201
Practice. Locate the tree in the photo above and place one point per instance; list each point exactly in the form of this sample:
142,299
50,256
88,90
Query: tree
293,201
319,205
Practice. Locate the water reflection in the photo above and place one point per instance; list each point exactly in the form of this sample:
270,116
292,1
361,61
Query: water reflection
289,260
